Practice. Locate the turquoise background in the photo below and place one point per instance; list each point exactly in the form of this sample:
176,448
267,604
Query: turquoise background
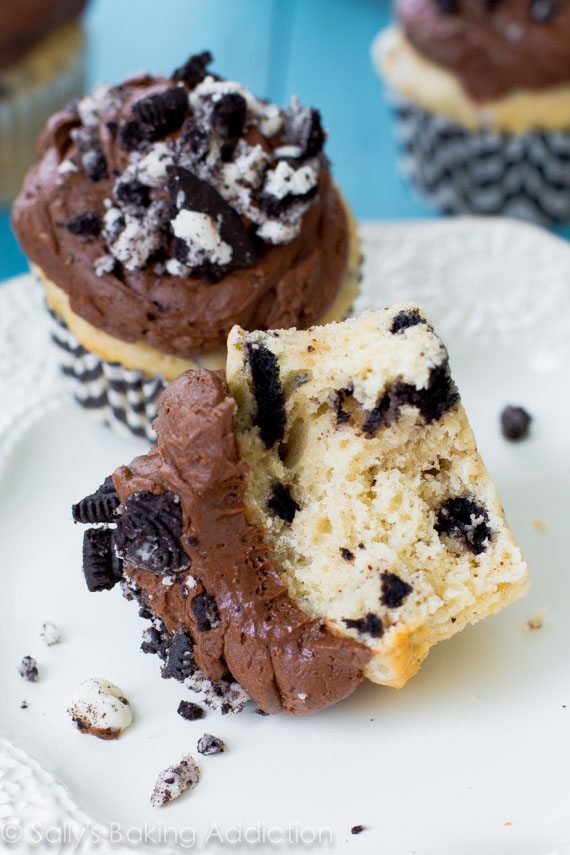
317,49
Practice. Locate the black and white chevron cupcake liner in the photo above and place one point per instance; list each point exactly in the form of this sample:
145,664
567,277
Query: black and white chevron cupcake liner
125,400
482,172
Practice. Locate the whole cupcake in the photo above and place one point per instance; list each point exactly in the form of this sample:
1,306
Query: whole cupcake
165,210
41,68
482,97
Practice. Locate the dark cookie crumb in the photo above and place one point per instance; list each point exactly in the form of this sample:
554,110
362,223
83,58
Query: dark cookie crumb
228,120
464,520
282,503
303,128
194,69
101,566
205,611
28,669
24,705
404,320
346,554
259,711
133,193
190,711
268,392
209,744
180,662
131,135
342,416
369,625
162,113
98,507
448,7
156,641
87,225
357,829
515,423
394,590
149,529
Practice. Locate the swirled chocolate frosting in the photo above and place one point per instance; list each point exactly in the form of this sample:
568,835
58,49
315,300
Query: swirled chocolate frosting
493,46
25,22
171,209
238,611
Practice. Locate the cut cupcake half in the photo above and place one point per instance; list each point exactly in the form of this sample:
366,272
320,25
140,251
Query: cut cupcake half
365,479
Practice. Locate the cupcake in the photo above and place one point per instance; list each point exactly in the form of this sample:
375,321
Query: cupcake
481,90
319,516
165,210
41,68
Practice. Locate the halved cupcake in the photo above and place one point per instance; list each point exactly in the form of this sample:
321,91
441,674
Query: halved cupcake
165,210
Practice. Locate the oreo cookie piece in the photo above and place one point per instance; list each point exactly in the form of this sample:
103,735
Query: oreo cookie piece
200,196
86,225
28,669
98,507
515,423
371,625
131,135
162,113
194,69
394,590
303,128
544,11
149,529
268,392
228,120
209,744
205,611
101,566
406,319
190,711
448,7
466,522
180,663
156,640
132,193
282,503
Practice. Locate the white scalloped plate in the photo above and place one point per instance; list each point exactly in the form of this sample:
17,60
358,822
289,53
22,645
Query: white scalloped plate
470,759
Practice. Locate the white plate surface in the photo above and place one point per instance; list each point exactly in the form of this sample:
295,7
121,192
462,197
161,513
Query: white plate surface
471,758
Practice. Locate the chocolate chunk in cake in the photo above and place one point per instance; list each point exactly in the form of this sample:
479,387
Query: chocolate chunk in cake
370,625
268,391
465,521
282,503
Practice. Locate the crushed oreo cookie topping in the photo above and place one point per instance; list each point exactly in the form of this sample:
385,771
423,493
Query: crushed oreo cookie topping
28,669
282,503
102,567
98,507
242,172
209,744
447,7
544,11
466,522
368,625
174,781
180,662
515,423
190,711
148,533
394,590
268,392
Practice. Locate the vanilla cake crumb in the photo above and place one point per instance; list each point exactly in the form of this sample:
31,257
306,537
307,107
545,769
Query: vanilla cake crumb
366,481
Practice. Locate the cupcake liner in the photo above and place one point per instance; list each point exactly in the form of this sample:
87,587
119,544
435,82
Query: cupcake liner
34,90
125,400
482,172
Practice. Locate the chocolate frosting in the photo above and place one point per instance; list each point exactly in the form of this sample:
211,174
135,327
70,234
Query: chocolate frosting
492,47
281,657
23,23
291,284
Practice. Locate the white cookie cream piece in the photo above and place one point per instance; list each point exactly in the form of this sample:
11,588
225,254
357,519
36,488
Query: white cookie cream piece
101,709
174,781
202,236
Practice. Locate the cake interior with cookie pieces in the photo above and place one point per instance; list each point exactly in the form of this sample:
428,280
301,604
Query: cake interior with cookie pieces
365,479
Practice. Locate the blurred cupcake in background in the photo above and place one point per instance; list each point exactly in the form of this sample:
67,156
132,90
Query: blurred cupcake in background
162,212
481,90
42,48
